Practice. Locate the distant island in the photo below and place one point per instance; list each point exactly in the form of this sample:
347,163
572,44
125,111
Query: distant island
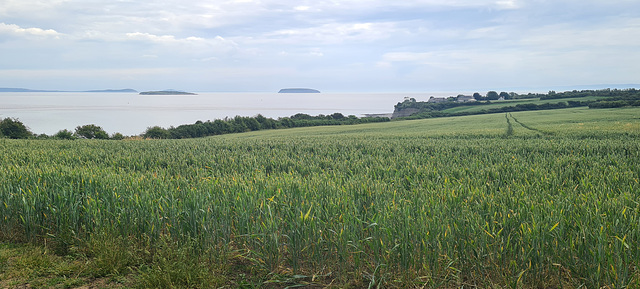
298,90
113,90
13,89
166,92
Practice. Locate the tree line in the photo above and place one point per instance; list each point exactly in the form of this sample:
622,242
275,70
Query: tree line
240,124
610,93
517,107
15,129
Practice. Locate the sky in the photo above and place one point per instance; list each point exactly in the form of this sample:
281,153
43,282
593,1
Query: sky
330,45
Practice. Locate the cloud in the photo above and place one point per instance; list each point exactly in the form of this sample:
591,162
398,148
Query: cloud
29,7
621,32
445,60
328,5
507,4
188,45
316,53
166,39
333,33
408,57
429,42
15,30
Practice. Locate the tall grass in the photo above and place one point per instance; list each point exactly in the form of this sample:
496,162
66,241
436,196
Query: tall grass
446,202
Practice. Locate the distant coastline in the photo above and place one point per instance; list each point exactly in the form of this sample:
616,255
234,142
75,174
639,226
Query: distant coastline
13,89
298,90
166,92
113,90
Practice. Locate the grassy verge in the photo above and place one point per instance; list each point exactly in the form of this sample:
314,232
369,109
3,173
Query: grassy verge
29,266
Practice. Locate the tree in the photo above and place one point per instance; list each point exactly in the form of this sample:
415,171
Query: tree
64,134
477,96
266,123
91,131
287,122
298,116
156,132
117,136
505,95
492,95
220,127
13,128
238,125
251,123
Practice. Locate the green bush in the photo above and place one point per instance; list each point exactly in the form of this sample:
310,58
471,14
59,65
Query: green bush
65,134
91,131
156,132
117,136
13,128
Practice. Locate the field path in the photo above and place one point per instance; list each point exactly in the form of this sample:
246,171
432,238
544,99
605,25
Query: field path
528,127
509,131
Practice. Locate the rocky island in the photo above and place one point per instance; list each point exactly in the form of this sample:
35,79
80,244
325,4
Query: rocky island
298,90
166,92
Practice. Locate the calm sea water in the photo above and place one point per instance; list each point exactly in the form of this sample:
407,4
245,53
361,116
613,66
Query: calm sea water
132,114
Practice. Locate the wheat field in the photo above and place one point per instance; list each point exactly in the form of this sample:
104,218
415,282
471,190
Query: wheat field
519,200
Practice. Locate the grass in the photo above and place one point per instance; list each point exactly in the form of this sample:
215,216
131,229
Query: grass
35,265
522,200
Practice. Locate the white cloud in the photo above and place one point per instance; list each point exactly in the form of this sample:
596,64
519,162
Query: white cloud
16,30
316,53
333,33
327,5
151,37
418,57
507,4
26,7
446,60
189,45
622,32
444,41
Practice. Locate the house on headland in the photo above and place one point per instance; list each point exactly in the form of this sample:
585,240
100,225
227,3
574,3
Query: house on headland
409,99
465,98
436,99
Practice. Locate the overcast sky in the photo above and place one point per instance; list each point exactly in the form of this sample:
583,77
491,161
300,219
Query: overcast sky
330,45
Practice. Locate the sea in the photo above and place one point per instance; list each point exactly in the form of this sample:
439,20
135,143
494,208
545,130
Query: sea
131,114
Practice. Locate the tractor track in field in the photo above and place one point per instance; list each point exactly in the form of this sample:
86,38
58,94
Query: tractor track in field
509,131
528,127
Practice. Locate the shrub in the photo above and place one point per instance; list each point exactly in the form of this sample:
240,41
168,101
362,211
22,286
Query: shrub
156,132
91,131
13,128
117,136
65,134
